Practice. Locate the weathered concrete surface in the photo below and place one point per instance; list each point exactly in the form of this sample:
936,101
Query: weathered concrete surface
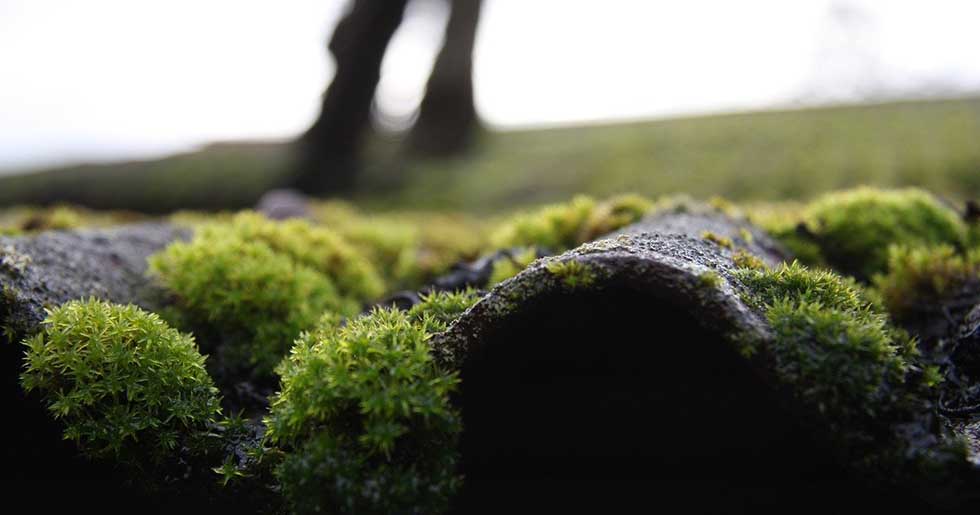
476,274
53,267
665,254
694,223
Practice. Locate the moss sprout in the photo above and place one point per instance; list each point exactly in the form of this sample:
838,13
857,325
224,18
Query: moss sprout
743,259
365,419
719,240
559,227
614,213
710,279
19,220
724,206
124,384
929,277
855,228
572,274
258,300
746,235
62,217
555,227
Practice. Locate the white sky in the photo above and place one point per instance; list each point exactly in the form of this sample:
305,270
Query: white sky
100,79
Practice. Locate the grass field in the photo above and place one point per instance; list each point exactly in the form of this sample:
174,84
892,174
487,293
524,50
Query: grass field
776,155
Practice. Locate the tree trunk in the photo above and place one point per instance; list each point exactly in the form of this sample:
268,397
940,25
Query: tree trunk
329,150
447,119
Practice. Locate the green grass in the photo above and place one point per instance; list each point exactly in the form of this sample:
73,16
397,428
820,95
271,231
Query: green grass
749,156
754,156
217,176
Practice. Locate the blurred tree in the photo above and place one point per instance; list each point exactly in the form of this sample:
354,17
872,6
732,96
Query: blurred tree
328,151
447,121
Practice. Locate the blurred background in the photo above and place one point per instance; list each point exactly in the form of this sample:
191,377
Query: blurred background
482,105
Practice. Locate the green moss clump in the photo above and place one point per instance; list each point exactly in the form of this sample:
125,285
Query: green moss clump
855,228
255,299
847,360
846,364
555,227
125,384
438,310
365,420
59,217
746,236
509,266
409,248
721,241
920,278
710,279
743,259
316,247
560,227
796,281
572,273
615,213
27,219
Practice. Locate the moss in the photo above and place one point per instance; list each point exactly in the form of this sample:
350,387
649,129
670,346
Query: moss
615,213
26,219
316,247
721,241
799,244
409,248
62,217
796,281
743,259
572,274
511,265
364,417
724,206
855,228
846,360
438,310
928,277
973,228
847,366
124,384
559,227
13,262
257,300
710,279
746,235
555,227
